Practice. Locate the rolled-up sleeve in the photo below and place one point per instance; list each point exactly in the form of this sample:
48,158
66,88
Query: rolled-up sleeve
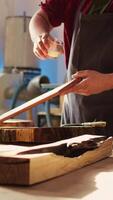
55,9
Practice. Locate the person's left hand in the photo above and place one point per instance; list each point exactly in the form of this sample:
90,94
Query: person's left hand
89,82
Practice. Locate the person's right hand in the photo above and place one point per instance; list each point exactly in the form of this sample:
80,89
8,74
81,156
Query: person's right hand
42,45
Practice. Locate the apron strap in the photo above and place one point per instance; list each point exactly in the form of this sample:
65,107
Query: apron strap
76,28
99,6
77,25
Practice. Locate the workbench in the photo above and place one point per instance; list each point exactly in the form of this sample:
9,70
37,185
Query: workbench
94,182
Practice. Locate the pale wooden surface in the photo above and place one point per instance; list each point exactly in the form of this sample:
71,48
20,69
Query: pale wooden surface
17,123
94,182
27,169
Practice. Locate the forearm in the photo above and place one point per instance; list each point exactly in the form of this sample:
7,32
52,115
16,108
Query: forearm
91,82
108,81
39,24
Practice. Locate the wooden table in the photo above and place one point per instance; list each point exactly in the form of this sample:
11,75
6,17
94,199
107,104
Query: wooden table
94,182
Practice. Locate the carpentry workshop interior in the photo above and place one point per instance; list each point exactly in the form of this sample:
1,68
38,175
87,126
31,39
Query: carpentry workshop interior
41,156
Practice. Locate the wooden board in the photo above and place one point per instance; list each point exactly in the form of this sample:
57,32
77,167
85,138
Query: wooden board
37,100
17,123
44,135
28,169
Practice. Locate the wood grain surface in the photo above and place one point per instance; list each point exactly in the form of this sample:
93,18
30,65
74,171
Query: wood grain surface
35,135
28,169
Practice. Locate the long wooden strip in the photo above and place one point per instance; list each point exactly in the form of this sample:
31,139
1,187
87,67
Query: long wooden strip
17,123
37,100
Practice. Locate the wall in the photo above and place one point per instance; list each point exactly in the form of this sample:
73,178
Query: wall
12,8
55,69
6,8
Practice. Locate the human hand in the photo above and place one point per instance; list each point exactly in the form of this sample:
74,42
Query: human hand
90,82
47,47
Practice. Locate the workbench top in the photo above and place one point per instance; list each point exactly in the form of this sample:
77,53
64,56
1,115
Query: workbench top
94,182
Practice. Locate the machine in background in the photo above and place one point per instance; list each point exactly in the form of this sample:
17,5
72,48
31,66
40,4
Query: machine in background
21,78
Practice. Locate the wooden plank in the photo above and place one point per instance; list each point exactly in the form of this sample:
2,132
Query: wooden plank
37,100
28,169
14,135
17,123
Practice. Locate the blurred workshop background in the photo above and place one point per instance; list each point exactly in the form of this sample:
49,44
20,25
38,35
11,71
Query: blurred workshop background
22,75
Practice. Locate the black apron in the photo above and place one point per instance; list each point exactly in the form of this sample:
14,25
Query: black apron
92,49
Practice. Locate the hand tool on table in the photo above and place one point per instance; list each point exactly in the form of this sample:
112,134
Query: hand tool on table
38,100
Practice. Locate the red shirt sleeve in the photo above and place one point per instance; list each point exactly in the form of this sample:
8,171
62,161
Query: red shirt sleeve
55,10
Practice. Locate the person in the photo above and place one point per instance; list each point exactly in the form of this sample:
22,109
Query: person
88,47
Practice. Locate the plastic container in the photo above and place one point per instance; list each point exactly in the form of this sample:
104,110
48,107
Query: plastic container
56,49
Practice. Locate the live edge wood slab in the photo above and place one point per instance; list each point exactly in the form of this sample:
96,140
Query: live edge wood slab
19,166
